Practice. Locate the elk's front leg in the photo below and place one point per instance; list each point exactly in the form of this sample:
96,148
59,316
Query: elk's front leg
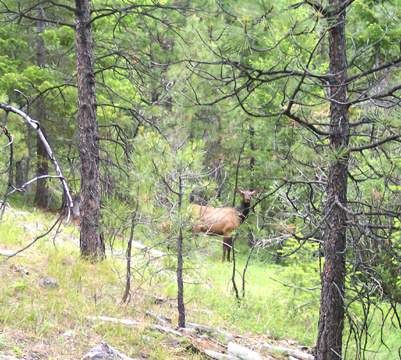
227,241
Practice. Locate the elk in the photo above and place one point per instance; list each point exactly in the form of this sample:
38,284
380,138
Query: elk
223,221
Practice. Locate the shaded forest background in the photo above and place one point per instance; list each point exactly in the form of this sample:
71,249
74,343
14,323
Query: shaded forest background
183,102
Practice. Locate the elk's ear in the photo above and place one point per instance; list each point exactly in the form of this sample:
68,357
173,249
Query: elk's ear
239,191
255,192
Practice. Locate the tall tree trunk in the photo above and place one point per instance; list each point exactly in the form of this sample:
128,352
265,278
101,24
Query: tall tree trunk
180,264
19,173
331,316
251,179
91,238
42,191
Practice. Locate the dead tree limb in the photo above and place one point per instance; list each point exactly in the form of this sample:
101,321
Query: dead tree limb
36,125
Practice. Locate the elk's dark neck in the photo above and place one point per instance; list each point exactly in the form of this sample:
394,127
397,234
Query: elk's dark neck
243,210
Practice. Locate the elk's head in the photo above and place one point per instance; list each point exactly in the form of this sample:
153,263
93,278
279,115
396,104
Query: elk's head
247,195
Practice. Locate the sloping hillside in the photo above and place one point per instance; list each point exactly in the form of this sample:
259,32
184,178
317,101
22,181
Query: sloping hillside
56,306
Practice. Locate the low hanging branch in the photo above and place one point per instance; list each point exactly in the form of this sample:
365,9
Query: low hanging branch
36,125
10,172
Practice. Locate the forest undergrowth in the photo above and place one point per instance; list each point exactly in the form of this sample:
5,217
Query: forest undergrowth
59,322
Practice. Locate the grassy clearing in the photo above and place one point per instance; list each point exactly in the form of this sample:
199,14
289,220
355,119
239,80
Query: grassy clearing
52,323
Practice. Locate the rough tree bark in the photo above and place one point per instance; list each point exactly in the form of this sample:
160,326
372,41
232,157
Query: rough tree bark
331,316
42,191
91,238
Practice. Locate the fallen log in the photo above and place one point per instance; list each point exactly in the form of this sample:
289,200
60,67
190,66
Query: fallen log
159,319
106,352
151,251
242,352
234,351
218,356
293,352
114,320
134,323
206,329
9,253
164,329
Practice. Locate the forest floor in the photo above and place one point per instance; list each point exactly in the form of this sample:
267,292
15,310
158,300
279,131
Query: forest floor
53,305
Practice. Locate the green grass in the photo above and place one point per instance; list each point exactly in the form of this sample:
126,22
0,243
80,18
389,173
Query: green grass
53,323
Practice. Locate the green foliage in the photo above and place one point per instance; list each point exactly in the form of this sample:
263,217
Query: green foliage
303,267
142,67
66,36
50,37
156,167
365,11
368,26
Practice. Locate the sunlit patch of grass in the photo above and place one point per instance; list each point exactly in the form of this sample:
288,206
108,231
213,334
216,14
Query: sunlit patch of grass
266,309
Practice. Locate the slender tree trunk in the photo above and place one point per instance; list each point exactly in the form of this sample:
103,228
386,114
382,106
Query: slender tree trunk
42,191
251,181
42,196
91,238
27,159
180,266
331,316
129,254
19,173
